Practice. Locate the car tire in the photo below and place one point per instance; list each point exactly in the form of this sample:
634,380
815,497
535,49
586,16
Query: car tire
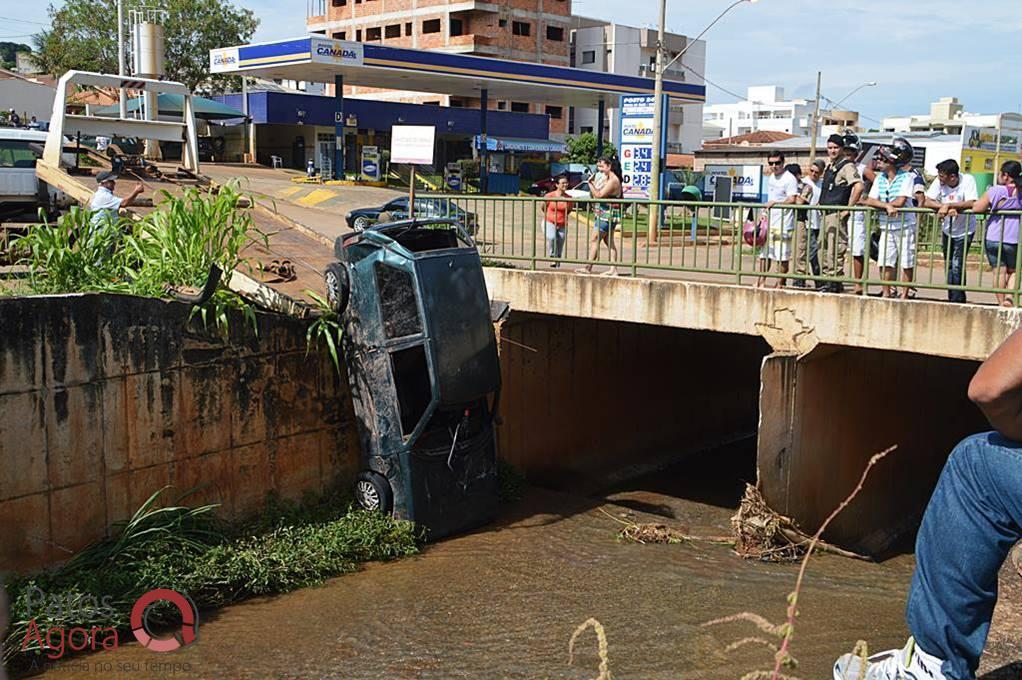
372,492
361,223
338,289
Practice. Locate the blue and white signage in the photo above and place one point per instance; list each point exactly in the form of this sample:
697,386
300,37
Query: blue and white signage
223,60
637,145
336,52
371,163
746,180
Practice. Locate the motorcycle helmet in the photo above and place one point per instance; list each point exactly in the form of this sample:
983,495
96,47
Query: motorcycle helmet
898,154
852,142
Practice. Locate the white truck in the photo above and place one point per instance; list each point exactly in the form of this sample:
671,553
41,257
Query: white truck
20,190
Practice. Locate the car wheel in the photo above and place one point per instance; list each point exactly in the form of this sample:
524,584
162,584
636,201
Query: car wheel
361,223
337,287
372,492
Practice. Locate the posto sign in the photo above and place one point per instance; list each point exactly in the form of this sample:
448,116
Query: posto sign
746,180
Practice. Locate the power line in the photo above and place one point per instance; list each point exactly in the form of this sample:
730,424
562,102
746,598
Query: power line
25,21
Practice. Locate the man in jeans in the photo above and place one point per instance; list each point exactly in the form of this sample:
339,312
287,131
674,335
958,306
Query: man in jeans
842,186
951,194
973,520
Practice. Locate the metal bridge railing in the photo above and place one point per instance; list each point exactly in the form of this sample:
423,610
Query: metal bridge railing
704,241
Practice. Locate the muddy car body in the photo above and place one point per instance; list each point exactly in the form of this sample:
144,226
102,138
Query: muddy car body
422,364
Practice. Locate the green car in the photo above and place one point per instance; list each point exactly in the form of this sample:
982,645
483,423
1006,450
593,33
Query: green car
422,364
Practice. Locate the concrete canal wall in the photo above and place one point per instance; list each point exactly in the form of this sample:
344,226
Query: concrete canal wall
105,399
841,378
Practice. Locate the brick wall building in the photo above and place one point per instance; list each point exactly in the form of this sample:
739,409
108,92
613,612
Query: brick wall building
522,30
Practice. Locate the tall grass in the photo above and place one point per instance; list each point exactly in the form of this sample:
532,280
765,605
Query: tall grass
188,549
173,246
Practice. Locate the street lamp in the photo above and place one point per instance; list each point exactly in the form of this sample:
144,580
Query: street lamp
849,95
658,91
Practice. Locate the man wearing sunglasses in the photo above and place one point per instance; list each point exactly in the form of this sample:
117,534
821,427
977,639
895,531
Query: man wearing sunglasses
782,189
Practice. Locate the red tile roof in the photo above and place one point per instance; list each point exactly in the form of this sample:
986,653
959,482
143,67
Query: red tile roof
751,139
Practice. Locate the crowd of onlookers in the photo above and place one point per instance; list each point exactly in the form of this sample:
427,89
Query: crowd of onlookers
12,119
882,179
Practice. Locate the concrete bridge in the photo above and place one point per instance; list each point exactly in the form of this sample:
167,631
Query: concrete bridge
601,369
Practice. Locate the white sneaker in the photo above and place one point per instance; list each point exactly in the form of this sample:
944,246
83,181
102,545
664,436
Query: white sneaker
910,663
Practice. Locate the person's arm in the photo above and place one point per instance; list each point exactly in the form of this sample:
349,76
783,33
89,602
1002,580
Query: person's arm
130,198
997,388
982,204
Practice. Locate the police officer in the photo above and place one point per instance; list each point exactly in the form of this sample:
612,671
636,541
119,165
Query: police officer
842,186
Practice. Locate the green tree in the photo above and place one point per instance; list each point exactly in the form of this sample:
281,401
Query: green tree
582,149
8,52
84,36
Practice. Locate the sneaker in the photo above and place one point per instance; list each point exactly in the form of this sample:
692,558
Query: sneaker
910,663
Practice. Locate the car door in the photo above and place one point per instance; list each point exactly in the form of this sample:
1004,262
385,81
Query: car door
398,208
17,170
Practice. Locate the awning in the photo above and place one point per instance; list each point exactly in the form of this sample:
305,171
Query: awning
173,105
516,144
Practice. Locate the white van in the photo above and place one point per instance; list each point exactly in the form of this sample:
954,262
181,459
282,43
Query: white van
20,190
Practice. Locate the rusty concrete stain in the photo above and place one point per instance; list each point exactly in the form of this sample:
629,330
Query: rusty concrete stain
106,398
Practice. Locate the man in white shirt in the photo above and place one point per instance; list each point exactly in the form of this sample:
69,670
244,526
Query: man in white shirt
782,189
950,194
104,205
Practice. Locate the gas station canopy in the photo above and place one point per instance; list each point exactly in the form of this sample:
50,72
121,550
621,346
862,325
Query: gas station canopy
319,59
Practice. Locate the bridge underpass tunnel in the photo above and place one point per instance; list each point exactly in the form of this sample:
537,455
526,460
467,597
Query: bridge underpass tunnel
823,415
589,403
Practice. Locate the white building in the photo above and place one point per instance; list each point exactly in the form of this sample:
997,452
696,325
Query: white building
765,108
27,96
948,116
598,45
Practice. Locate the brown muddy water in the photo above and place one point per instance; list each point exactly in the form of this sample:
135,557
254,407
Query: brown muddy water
503,602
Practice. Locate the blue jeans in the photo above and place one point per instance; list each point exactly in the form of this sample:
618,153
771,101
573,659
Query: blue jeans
954,256
970,525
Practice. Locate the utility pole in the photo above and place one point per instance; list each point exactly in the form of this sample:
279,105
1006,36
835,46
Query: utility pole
658,122
122,95
815,127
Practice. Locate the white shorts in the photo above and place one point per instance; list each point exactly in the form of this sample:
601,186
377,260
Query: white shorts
857,237
776,248
897,248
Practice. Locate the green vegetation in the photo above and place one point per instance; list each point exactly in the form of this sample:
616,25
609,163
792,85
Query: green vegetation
9,52
582,149
81,38
188,549
173,246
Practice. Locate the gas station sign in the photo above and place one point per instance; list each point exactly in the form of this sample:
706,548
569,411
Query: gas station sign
371,163
637,145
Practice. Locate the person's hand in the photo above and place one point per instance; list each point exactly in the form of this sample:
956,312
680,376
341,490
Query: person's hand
770,205
943,211
138,188
952,212
845,214
891,210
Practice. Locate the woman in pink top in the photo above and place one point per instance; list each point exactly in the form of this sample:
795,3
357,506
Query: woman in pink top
1002,230
555,219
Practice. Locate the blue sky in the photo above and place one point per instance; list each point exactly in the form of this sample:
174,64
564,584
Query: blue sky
916,51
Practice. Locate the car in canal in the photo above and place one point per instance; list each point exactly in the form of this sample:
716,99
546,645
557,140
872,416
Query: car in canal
422,364
397,209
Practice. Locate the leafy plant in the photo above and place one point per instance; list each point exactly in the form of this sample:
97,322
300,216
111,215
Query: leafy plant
325,330
78,253
174,245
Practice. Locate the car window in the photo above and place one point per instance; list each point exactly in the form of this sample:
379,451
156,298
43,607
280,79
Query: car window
16,154
411,382
397,301
396,204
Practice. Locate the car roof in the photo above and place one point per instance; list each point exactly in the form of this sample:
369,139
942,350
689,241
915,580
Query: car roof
20,134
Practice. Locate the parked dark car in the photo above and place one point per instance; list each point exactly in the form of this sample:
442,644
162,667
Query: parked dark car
397,209
422,363
545,186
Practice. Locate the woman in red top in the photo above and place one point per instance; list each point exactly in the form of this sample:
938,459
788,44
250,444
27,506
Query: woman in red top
555,219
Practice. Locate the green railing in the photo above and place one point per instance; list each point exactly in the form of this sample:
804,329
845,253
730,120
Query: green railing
704,241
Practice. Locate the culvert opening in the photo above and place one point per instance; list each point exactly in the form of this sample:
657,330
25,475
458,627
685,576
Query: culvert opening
592,407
